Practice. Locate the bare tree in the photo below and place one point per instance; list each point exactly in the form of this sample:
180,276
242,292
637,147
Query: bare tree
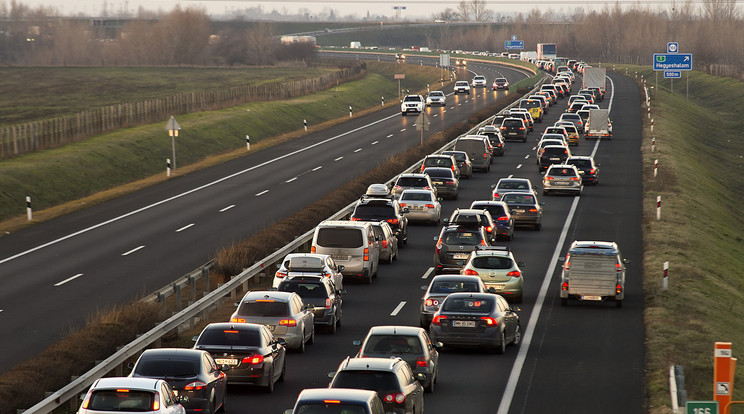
480,11
463,11
446,15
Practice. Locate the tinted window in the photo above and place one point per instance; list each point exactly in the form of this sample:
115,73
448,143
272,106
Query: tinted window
518,199
367,380
263,309
512,123
581,163
111,400
459,156
393,345
438,162
453,287
552,151
372,211
492,262
513,185
496,210
330,408
439,173
562,172
412,182
479,305
416,197
336,237
158,368
463,238
304,289
237,337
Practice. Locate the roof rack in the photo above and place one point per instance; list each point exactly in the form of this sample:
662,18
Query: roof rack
495,248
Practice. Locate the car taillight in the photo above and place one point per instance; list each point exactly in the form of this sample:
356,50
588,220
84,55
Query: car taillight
495,195
549,178
288,322
156,401
397,397
503,218
564,286
514,273
619,289
521,128
437,319
453,168
427,188
618,267
429,205
255,359
489,229
421,362
312,249
439,245
533,210
196,385
574,178
489,320
366,254
238,320
485,155
384,244
470,272
355,219
503,128
392,221
432,302
86,401
281,275
483,242
403,204
329,303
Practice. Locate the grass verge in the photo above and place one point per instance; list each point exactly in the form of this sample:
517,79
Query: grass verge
701,164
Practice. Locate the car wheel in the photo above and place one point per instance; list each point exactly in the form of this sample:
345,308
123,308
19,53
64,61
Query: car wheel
517,335
283,375
332,327
270,386
222,406
618,303
538,226
430,387
501,347
212,405
524,139
312,336
564,301
545,192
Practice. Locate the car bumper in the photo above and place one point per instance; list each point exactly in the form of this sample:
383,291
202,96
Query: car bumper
490,338
423,215
250,376
576,188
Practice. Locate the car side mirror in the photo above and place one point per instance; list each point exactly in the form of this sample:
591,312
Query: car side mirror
281,341
273,288
341,291
445,220
436,238
194,338
309,307
130,365
493,186
356,342
491,290
406,210
341,267
378,238
626,261
438,345
331,374
224,367
521,264
424,287
420,376
278,265
515,309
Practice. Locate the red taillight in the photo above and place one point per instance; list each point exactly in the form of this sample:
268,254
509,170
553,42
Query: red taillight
453,168
483,242
521,128
490,321
392,221
514,273
86,401
196,385
366,254
619,289
549,178
329,303
255,359
564,286
503,218
432,302
439,245
397,187
384,244
429,205
470,272
238,320
156,401
281,275
489,229
355,219
312,249
496,195
533,210
427,188
574,178
421,362
437,319
503,128
403,204
397,397
485,155
288,322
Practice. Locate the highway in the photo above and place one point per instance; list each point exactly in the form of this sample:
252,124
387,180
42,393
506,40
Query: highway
56,273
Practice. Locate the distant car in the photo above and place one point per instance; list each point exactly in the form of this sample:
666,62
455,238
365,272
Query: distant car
463,162
388,241
413,181
501,217
441,160
494,136
454,244
588,169
283,312
525,209
461,62
306,264
500,83
254,356
193,374
400,56
462,87
422,206
557,130
412,103
378,209
130,395
479,81
468,217
445,181
338,400
525,115
322,295
481,320
553,154
436,98
511,185
514,128
576,106
499,271
562,178
571,130
441,286
546,142
409,343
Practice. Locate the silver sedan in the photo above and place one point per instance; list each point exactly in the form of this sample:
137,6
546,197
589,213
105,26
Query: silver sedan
422,205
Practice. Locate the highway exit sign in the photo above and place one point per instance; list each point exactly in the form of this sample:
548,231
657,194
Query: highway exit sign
701,407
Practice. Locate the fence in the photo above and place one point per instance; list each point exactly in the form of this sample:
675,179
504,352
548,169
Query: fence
56,132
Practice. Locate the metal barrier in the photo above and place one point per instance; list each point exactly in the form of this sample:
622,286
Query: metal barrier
202,306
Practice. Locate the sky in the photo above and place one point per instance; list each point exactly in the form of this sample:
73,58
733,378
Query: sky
414,8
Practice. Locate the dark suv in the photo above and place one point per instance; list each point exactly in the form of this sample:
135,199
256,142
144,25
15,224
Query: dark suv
320,292
454,245
553,154
494,136
383,209
474,218
514,128
501,217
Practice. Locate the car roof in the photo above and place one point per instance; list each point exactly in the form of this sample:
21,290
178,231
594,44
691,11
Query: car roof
293,255
267,295
514,179
488,203
172,353
580,157
601,247
569,166
341,394
455,277
343,223
234,326
140,383
415,175
436,169
396,329
439,156
417,190
492,252
370,364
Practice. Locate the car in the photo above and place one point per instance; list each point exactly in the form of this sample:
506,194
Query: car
387,240
377,190
553,154
544,101
576,106
131,395
500,83
454,244
588,169
445,181
413,181
514,128
466,217
463,162
322,295
494,136
557,130
501,217
378,209
593,271
563,178
410,343
283,312
307,264
439,288
598,93
479,81
461,62
254,356
392,379
337,400
525,115
479,150
571,130
544,143
352,245
534,107
462,87
511,185
412,103
553,88
588,94
441,160
525,209
195,377
557,137
498,269
483,320
422,205
436,98
584,114
400,56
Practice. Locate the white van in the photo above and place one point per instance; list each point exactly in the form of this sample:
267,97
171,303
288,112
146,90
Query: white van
593,271
350,243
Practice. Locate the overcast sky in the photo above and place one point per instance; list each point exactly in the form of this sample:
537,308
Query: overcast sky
414,8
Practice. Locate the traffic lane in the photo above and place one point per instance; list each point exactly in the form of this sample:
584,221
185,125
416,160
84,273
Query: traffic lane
596,342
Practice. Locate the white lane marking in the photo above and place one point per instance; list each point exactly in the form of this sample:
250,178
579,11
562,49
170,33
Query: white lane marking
533,149
1,310
526,156
519,166
428,273
133,250
262,193
452,107
68,279
227,208
317,168
375,143
460,104
193,190
290,180
398,308
389,136
339,159
402,130
357,150
510,176
524,347
444,111
185,227
435,115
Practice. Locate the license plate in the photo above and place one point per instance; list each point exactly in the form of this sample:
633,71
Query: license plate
561,183
555,159
517,210
342,258
460,256
416,207
499,286
226,361
463,324
438,182
512,133
591,297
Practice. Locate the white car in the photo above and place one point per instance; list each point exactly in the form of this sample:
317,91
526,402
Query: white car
479,81
131,395
462,87
562,178
309,264
412,103
436,98
423,205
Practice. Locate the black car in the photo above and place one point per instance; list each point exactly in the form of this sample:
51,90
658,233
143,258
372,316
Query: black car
494,136
444,180
588,169
254,356
501,217
383,209
525,209
553,154
322,294
454,245
474,218
514,128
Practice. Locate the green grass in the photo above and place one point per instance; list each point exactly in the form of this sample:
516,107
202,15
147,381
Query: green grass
701,165
78,170
38,92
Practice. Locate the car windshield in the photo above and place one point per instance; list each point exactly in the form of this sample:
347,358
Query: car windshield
462,238
230,337
393,345
520,198
461,83
412,182
412,99
304,288
416,197
436,94
264,309
331,407
475,305
379,381
335,237
500,80
492,262
160,367
453,286
121,400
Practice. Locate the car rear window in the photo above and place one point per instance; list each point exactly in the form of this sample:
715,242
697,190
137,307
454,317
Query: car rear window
379,381
230,337
580,163
465,238
393,344
264,309
492,262
551,151
496,210
561,172
339,237
117,400
374,212
332,407
437,162
459,156
475,305
518,199
304,289
159,367
512,123
448,287
412,182
570,116
438,173
304,264
513,185
416,197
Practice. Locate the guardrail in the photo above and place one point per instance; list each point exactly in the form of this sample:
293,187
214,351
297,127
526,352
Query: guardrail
202,307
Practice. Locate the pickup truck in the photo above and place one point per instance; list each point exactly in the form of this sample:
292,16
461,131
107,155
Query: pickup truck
593,271
412,103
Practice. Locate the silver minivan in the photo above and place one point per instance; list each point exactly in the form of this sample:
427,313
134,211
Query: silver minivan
478,150
350,243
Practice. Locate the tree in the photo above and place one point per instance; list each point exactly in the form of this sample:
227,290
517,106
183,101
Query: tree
480,12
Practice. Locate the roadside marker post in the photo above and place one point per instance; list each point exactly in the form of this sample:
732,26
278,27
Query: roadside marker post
653,144
724,368
304,122
658,208
29,213
167,167
383,101
247,142
665,280
656,167
652,125
350,111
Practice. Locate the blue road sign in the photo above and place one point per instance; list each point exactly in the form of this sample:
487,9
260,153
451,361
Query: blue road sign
672,61
514,37
672,74
672,47
514,44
